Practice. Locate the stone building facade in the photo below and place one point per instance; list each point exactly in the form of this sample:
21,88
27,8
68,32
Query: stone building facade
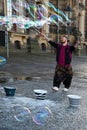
78,16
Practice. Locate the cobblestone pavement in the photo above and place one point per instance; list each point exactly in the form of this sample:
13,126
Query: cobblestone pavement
35,71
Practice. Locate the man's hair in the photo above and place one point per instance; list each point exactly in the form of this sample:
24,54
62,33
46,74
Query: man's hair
65,36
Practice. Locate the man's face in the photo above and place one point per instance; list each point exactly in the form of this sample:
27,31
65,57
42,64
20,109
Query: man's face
63,39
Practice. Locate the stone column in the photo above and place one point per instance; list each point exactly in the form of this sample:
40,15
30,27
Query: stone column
82,21
46,26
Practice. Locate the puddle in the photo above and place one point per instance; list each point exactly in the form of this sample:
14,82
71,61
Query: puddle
81,75
23,78
6,77
10,79
28,78
3,80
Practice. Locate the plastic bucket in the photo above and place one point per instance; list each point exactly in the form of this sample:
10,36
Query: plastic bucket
74,100
10,91
40,94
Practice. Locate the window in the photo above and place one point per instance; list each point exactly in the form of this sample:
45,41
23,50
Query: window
1,7
53,29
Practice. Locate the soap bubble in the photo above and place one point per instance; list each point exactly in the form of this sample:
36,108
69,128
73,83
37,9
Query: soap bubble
21,113
42,116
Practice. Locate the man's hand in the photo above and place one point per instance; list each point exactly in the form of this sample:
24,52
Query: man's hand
76,44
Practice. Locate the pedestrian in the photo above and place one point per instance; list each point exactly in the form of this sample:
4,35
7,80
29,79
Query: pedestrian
63,70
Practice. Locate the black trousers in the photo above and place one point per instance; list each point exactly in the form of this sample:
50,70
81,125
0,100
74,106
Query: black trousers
63,74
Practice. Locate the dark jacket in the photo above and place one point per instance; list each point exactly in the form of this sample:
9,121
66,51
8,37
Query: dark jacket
68,52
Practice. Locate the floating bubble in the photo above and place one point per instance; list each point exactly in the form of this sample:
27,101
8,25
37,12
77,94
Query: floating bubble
56,19
57,11
37,15
44,9
42,116
2,60
21,113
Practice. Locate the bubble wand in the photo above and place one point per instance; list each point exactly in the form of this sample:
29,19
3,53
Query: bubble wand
41,33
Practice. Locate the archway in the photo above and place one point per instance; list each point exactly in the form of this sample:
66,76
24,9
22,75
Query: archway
43,47
17,44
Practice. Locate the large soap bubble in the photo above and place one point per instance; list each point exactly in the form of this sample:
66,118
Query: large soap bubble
42,115
21,113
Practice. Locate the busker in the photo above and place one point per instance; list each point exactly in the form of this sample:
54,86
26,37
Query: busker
63,70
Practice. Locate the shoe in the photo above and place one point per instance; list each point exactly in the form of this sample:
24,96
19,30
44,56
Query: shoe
55,88
65,90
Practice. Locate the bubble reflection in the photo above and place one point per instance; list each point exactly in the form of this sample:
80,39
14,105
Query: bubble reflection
21,113
42,116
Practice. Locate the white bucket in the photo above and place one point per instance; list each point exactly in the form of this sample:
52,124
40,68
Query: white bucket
40,94
74,100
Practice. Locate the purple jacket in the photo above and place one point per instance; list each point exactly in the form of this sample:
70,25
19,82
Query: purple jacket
68,52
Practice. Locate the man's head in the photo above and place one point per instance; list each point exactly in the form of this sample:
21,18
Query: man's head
63,39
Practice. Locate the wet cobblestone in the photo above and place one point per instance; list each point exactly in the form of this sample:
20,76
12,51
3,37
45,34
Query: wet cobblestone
41,70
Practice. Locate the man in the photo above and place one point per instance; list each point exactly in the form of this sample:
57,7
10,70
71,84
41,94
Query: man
63,70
